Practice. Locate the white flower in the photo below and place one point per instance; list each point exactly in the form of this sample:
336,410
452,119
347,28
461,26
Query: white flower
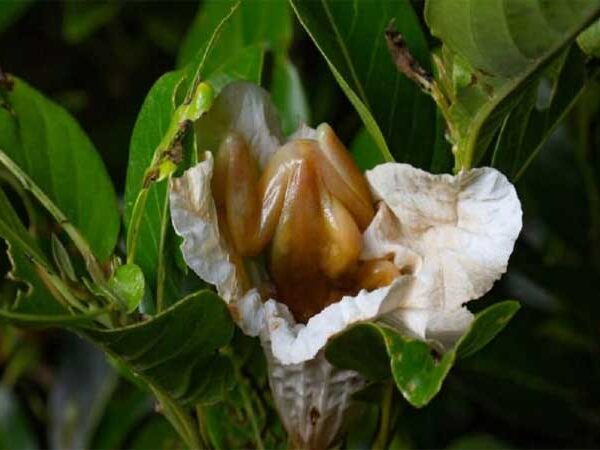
450,237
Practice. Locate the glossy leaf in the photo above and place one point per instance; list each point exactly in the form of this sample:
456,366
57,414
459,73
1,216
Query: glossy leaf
379,352
399,118
152,122
51,148
506,46
177,351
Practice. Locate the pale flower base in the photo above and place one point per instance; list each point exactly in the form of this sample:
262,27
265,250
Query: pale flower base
311,398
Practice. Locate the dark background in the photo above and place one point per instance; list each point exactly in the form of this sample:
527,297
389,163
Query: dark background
536,386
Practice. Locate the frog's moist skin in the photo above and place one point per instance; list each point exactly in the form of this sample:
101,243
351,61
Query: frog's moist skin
434,243
309,206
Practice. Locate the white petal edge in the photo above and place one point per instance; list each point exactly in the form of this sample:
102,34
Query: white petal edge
247,109
293,343
194,217
454,233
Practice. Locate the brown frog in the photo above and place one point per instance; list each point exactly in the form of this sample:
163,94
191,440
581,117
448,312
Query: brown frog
309,207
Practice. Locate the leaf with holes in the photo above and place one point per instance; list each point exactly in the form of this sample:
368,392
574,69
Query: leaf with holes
177,351
52,149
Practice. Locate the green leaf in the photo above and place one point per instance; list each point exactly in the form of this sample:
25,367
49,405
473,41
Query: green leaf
176,352
486,325
507,46
399,118
254,22
30,266
128,283
288,94
156,433
82,19
364,150
378,352
51,148
150,127
589,40
539,111
122,415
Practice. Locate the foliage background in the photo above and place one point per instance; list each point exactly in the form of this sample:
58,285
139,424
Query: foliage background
536,386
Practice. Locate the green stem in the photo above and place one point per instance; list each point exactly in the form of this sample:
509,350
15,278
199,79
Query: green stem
384,422
201,426
135,223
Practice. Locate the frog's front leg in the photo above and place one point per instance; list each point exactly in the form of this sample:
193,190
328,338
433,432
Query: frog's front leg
249,206
342,177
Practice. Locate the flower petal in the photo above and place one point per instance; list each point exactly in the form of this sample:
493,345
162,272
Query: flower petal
247,109
312,398
293,343
194,217
455,234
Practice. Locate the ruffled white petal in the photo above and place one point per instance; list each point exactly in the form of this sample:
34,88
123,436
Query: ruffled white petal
246,109
294,343
194,217
311,398
453,233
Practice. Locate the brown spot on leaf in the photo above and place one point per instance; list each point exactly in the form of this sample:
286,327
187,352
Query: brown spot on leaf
404,60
